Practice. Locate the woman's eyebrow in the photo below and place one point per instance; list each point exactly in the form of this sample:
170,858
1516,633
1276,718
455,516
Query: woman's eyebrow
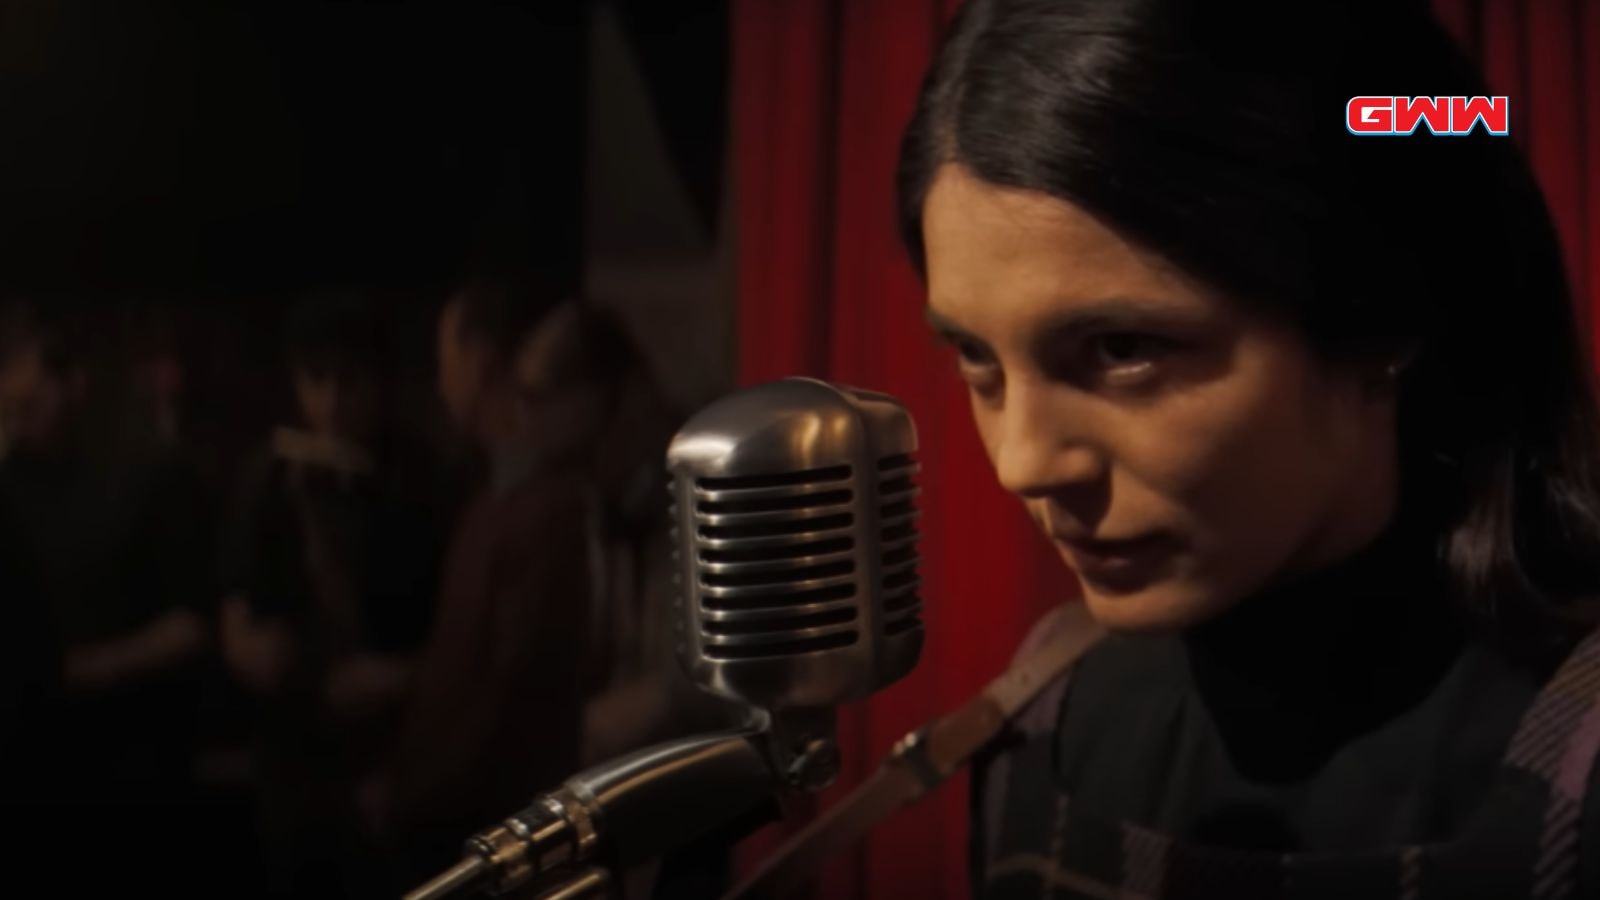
1054,328
947,329
1113,313
1117,311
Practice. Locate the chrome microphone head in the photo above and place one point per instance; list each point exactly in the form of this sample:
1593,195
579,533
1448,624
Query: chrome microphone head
794,510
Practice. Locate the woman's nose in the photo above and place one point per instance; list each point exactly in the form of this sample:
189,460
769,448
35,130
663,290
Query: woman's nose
1043,446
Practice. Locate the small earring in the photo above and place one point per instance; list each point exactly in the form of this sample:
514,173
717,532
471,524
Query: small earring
1399,364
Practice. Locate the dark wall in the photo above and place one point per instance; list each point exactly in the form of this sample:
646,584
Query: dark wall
185,170
245,147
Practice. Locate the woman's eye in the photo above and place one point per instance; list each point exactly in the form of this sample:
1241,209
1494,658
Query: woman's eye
1126,351
971,354
977,365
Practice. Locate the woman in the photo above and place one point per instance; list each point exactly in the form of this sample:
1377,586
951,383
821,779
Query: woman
1309,420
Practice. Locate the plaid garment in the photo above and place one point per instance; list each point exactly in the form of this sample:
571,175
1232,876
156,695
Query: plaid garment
1522,844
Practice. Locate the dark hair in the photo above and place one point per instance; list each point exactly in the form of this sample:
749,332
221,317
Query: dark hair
592,347
56,329
328,333
503,310
1213,134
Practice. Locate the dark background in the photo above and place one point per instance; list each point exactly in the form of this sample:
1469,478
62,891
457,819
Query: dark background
192,166
259,146
176,176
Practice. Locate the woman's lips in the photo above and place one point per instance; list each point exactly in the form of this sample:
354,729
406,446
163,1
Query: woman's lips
1119,556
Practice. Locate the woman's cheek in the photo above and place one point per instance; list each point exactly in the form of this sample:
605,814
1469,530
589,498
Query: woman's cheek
1186,452
986,422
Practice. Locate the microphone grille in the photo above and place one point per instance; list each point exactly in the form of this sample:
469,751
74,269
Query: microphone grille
897,522
775,556
795,515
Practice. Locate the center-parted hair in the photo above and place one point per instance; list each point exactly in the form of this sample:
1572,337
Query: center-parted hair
1214,135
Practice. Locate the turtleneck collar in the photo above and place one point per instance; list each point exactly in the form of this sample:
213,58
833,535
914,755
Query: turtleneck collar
1293,672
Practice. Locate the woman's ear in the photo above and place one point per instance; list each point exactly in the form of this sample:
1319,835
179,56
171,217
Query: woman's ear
1382,372
1401,361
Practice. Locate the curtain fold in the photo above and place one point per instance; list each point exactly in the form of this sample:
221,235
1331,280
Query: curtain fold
822,89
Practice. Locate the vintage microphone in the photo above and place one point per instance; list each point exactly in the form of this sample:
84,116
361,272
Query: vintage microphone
794,511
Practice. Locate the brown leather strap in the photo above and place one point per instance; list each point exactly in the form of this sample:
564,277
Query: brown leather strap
922,760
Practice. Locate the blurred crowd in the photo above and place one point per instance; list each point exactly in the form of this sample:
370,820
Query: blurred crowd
312,668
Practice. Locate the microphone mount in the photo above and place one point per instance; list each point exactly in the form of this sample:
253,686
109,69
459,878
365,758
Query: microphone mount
610,817
794,512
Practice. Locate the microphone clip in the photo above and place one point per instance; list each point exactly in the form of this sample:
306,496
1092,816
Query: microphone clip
805,748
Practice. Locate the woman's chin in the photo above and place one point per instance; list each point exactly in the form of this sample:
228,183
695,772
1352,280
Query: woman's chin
1160,607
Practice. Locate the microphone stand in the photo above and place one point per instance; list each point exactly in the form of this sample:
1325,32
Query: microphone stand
643,805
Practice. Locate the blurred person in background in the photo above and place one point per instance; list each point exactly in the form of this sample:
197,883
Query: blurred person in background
497,706
600,395
553,647
116,543
330,576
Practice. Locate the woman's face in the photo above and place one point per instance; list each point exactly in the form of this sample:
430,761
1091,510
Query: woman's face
1179,451
342,403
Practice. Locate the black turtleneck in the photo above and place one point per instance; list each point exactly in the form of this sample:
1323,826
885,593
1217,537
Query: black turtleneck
1342,709
1295,672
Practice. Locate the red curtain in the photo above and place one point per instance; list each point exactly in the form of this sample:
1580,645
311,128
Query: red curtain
1545,56
822,89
